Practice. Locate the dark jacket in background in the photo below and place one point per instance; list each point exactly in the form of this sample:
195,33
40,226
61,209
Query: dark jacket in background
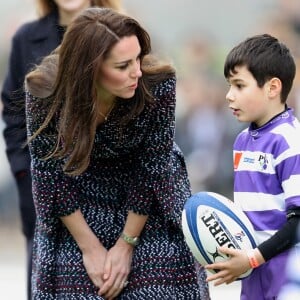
30,44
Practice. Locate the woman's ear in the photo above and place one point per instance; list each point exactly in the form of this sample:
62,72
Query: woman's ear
274,87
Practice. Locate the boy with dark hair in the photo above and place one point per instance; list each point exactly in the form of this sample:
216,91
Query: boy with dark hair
260,71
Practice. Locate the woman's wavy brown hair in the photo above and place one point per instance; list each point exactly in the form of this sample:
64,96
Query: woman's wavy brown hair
67,79
45,7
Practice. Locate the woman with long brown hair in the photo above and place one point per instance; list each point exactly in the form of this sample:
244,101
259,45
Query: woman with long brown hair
109,182
33,41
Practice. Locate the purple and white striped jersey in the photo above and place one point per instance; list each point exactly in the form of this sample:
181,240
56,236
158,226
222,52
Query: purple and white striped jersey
267,172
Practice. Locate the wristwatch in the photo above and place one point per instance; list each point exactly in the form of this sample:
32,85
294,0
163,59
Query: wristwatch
133,241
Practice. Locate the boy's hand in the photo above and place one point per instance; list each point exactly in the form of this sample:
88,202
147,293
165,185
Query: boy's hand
231,269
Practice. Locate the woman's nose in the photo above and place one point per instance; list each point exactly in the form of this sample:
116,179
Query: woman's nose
136,70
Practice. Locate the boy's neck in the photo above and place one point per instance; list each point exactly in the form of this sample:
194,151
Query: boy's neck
275,115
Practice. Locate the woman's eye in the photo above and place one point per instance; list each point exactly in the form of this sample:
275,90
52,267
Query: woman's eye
123,67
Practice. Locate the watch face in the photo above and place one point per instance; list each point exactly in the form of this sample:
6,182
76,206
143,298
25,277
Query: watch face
133,240
130,240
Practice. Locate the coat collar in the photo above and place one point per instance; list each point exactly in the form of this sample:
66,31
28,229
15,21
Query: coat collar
44,27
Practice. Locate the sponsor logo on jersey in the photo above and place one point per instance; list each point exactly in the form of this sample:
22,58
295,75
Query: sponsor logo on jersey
263,161
237,158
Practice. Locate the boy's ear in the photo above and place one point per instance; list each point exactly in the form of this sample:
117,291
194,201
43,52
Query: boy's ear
274,87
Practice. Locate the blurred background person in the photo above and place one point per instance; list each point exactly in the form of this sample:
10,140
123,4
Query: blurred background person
283,21
33,41
205,131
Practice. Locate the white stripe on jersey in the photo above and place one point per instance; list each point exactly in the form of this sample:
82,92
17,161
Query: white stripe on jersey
291,186
262,236
259,201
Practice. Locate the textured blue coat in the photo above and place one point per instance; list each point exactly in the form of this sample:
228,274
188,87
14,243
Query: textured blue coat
138,167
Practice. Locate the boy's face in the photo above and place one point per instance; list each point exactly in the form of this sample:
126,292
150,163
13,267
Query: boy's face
248,101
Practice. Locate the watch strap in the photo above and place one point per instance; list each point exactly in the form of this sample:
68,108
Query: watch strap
133,241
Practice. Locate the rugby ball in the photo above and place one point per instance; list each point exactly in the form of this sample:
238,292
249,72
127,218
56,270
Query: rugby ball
209,221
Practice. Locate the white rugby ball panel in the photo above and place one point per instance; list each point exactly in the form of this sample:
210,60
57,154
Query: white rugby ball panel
209,221
190,240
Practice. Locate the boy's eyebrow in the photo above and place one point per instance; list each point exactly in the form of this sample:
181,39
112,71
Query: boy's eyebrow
235,80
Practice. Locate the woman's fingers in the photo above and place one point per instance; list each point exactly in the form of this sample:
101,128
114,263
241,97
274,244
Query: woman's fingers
111,288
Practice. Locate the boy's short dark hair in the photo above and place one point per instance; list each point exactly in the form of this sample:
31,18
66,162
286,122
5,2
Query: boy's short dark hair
265,57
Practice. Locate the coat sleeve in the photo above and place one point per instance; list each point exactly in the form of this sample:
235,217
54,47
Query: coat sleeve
55,193
160,174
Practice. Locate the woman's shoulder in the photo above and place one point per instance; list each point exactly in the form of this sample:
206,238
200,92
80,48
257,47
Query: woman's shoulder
159,75
163,94
165,86
40,81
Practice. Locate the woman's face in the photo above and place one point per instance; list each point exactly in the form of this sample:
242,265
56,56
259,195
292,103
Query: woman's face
72,6
120,71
